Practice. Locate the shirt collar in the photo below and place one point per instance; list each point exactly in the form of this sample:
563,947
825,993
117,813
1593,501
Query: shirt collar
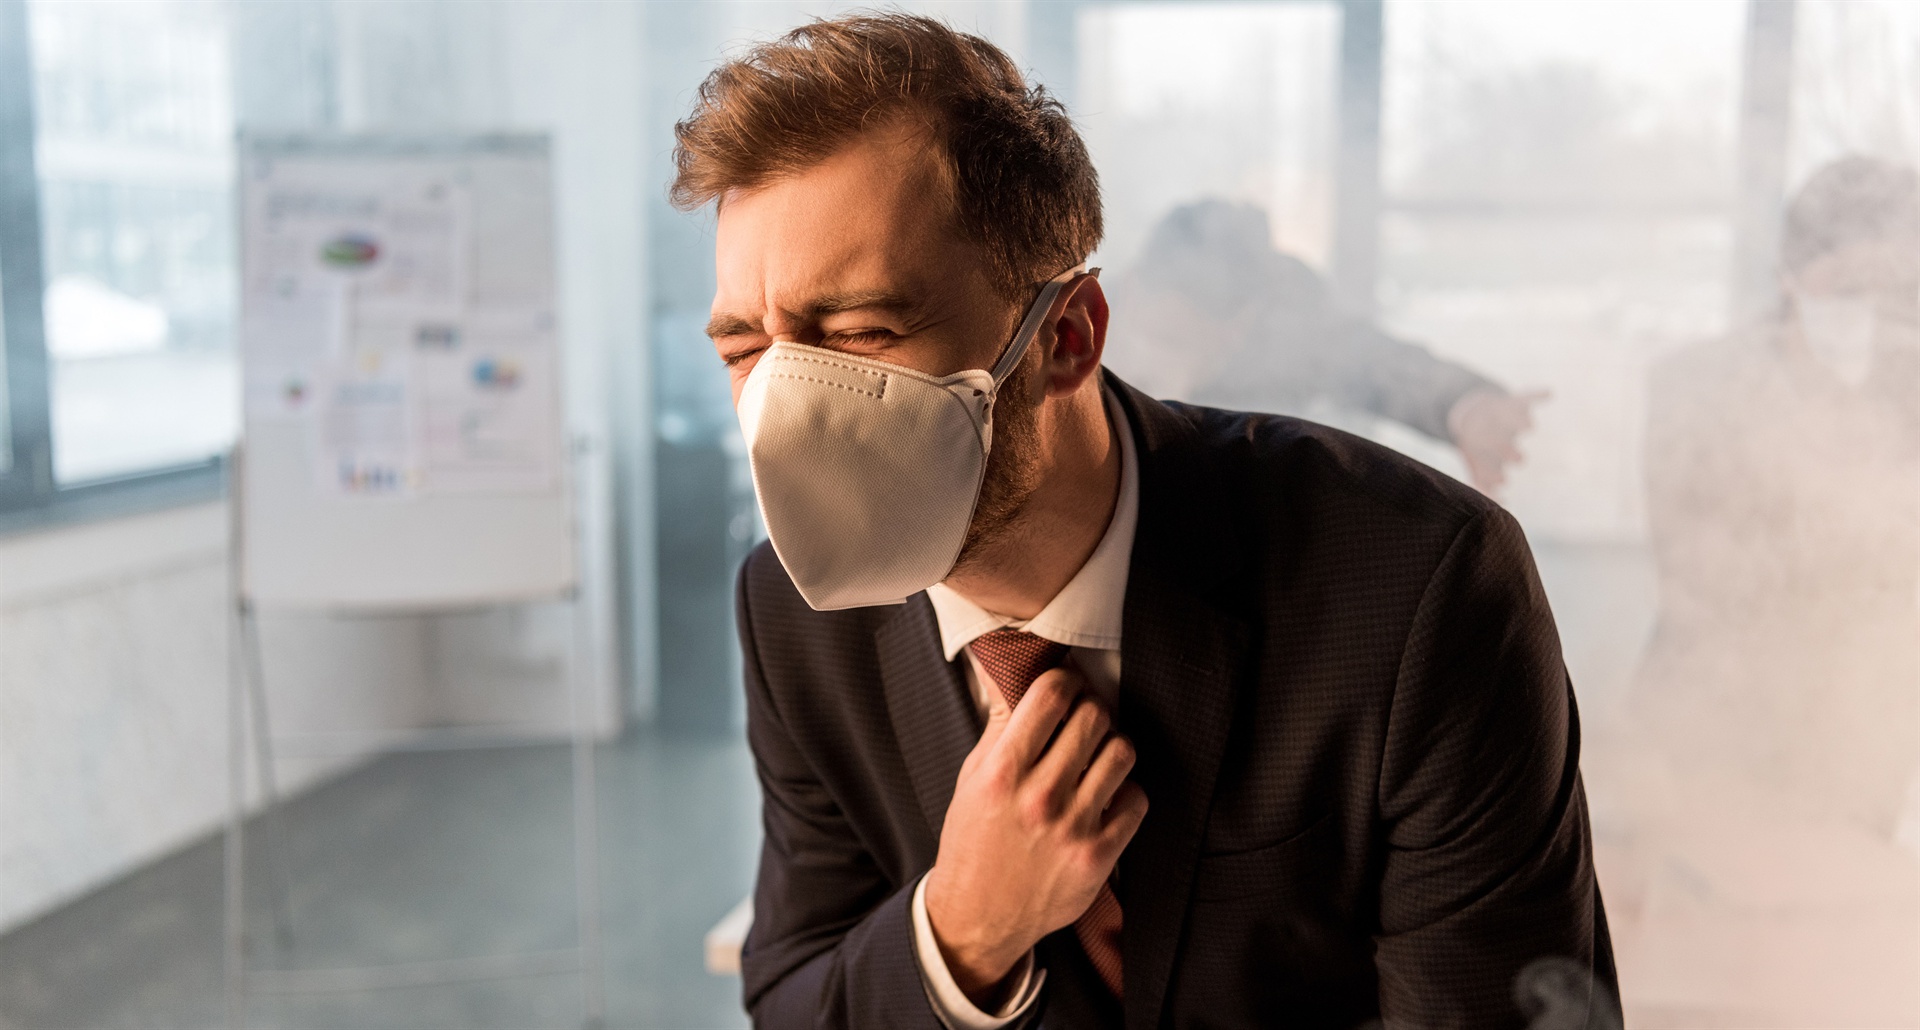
1087,611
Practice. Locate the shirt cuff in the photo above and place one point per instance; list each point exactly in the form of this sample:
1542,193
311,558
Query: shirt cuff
950,1003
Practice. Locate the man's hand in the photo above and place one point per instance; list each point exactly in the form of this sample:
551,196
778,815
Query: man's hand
1486,425
1036,824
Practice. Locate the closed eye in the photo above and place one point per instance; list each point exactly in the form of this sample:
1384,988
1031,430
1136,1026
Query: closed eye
859,338
737,357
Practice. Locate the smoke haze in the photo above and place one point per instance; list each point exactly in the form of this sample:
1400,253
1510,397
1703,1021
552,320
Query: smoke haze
1722,480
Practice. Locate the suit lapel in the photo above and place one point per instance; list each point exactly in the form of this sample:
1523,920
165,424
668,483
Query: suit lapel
933,717
1182,652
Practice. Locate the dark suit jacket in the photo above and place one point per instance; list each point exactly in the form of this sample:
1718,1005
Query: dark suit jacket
1353,725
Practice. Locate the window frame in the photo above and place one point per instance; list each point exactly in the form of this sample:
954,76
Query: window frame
29,496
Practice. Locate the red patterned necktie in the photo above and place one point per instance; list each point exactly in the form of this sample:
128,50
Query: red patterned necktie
1014,659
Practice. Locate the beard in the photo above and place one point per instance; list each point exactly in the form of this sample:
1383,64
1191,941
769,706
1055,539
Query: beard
1013,470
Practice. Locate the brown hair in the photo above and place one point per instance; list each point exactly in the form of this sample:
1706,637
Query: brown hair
1024,190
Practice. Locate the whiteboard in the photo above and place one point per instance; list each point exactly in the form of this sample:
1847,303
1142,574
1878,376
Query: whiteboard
404,443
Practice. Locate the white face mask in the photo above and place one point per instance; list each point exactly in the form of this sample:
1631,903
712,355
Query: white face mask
867,473
1839,332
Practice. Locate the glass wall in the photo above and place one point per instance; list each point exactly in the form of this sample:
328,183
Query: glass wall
135,126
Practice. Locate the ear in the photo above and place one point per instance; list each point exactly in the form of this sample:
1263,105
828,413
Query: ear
1078,336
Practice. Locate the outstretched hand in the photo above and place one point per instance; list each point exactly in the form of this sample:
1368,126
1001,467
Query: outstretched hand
1486,425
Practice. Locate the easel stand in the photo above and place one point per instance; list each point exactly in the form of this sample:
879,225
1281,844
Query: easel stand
247,702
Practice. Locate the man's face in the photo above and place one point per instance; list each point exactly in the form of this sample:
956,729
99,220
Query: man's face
1884,272
856,254
859,254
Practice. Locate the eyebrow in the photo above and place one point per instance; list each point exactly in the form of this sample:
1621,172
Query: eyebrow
860,300
723,325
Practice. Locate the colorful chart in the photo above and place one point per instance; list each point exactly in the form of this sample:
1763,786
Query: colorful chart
353,250
496,374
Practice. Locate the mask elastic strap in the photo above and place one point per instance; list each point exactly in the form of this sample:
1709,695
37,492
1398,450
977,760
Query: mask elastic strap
1030,326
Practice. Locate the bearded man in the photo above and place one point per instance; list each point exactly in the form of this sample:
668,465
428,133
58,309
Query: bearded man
1071,707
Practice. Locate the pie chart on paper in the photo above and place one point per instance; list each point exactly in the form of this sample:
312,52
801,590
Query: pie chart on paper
352,250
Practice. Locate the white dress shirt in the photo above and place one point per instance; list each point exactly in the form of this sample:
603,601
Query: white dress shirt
1085,615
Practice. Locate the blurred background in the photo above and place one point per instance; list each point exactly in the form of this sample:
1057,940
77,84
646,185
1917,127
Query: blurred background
1647,272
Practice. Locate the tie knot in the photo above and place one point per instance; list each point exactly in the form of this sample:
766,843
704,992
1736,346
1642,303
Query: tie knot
1015,658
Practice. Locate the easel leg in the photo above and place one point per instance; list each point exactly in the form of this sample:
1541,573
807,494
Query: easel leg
236,890
269,785
586,831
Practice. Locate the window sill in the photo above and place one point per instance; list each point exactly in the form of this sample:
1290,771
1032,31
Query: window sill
61,561
117,498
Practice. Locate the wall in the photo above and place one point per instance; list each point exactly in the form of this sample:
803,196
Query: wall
113,691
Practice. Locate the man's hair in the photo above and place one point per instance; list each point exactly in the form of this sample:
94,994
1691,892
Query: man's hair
1025,191
1855,199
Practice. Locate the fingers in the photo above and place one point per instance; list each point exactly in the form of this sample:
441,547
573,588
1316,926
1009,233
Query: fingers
1032,724
1487,475
1108,770
1087,725
1122,820
1522,415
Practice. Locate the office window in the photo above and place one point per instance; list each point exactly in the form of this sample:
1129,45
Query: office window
1181,102
1856,83
133,133
20,394
1558,213
6,410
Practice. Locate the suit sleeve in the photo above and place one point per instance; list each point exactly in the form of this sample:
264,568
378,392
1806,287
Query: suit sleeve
1490,915
1368,369
1317,350
832,938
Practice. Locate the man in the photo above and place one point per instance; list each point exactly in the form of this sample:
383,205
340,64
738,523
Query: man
1775,702
1071,707
1217,315
1782,463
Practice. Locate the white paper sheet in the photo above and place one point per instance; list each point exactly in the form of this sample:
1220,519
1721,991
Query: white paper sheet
369,314
363,425
290,333
489,405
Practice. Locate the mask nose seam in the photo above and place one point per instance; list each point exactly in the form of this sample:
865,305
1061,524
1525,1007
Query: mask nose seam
879,391
880,395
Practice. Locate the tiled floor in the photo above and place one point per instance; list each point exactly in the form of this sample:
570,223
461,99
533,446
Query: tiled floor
428,856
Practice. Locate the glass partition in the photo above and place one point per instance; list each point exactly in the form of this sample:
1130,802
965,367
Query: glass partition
135,124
